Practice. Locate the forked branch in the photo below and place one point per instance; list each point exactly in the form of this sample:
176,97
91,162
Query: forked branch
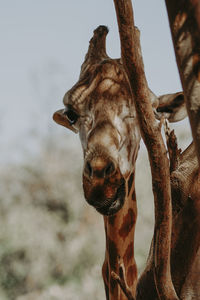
133,64
121,280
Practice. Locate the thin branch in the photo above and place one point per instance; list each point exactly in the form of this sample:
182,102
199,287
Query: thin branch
121,280
133,64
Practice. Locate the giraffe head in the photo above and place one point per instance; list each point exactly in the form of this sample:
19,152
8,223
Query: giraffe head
100,107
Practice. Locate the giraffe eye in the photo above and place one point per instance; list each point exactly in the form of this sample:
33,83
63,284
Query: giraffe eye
71,115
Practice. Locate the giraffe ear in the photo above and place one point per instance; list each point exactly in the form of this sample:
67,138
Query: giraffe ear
172,107
60,118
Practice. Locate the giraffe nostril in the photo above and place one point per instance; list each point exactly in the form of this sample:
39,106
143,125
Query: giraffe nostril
99,168
110,168
88,169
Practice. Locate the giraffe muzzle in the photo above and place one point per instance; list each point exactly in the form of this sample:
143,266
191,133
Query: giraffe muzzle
106,198
116,203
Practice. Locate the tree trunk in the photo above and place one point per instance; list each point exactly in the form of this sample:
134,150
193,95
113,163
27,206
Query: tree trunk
133,64
184,19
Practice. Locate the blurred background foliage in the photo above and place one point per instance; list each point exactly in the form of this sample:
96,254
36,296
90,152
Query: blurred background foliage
49,243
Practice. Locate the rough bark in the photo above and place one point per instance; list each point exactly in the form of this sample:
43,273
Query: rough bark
184,19
172,146
133,64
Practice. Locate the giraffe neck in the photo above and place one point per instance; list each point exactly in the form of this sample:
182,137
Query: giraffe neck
119,231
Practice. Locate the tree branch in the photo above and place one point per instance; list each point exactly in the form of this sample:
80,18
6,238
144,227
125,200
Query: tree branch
133,64
184,19
121,280
172,146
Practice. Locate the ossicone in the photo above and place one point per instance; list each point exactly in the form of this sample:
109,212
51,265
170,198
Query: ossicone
97,47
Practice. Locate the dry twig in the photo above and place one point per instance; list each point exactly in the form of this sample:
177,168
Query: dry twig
121,280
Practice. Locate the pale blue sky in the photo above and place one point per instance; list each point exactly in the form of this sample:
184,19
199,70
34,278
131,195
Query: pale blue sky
43,43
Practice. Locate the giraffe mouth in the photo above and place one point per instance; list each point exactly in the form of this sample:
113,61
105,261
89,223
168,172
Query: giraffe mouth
106,196
113,205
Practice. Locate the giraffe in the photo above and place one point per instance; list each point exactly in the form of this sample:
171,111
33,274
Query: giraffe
100,107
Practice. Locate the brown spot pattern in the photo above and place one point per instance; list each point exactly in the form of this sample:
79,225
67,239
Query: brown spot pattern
131,275
105,273
133,196
130,182
196,65
106,290
111,220
113,285
113,262
129,148
127,225
128,255
112,254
